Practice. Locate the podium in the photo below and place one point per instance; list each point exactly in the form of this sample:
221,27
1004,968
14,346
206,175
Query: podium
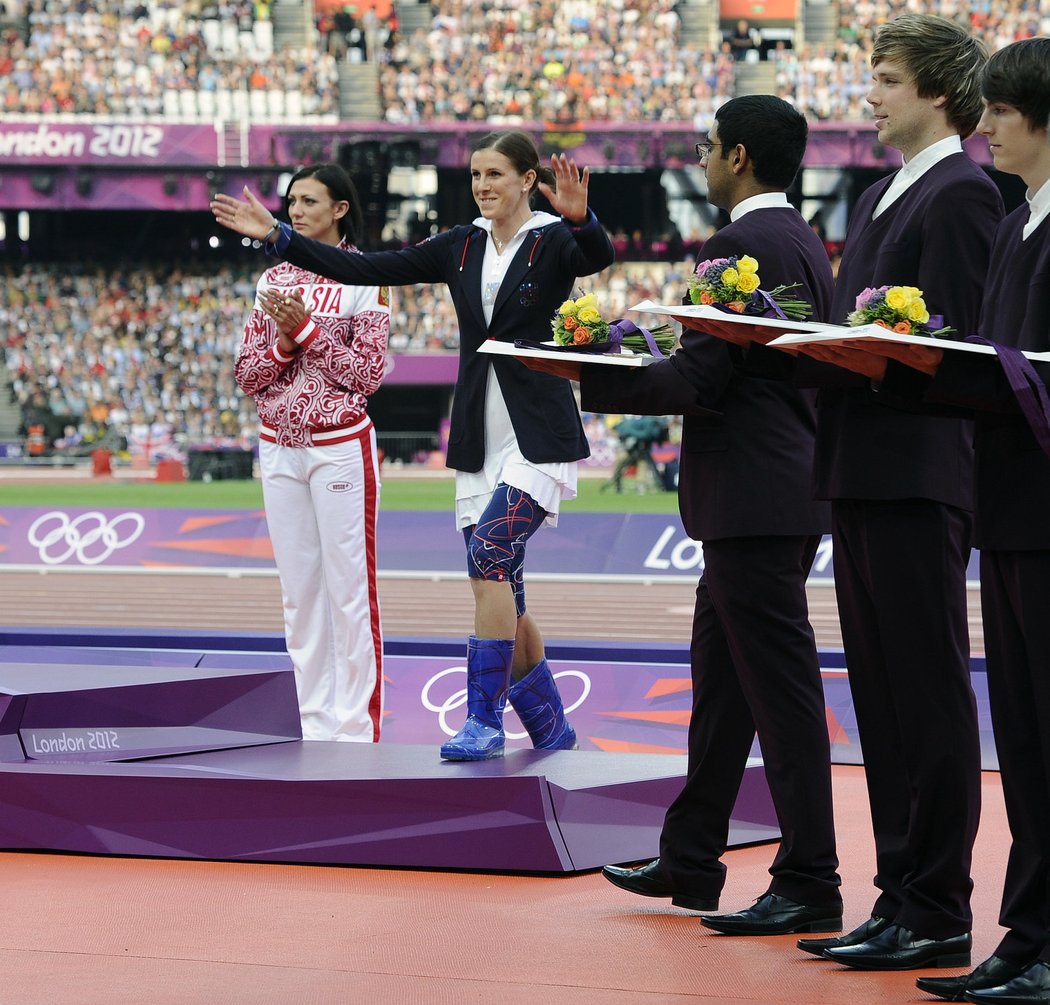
180,754
63,713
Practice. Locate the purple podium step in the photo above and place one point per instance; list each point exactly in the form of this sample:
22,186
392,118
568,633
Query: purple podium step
363,804
187,749
54,711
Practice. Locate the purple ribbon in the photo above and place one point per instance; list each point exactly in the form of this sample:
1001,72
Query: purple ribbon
1028,389
617,330
769,307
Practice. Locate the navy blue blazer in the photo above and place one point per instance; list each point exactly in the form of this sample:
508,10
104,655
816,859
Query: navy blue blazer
747,436
538,280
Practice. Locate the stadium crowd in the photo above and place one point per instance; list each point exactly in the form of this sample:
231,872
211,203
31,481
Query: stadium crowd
125,353
146,58
500,61
507,61
828,82
117,350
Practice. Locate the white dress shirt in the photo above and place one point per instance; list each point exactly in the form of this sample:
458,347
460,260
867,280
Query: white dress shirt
1038,208
914,169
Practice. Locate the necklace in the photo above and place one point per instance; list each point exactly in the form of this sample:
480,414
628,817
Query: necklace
501,245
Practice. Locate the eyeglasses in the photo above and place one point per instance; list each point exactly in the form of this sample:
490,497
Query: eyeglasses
703,150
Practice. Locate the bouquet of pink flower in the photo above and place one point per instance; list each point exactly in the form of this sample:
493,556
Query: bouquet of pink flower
579,323
733,284
899,308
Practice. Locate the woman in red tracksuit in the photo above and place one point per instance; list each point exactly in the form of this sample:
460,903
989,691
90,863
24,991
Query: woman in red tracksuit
310,358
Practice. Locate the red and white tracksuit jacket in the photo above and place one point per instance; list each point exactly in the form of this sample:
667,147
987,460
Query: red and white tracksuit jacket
320,476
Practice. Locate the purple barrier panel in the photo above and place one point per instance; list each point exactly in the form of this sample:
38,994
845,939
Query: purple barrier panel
842,719
638,704
423,368
638,707
613,706
622,544
112,144
145,144
149,538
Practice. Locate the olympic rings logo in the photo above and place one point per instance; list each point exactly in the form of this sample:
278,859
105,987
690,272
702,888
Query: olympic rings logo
91,537
459,698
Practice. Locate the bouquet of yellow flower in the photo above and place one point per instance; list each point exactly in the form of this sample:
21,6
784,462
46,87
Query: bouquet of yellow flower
899,308
733,284
579,324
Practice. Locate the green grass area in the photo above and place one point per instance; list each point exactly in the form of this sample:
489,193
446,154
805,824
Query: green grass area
398,494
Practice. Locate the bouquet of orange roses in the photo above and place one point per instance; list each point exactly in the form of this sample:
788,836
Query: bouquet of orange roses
733,284
579,324
899,308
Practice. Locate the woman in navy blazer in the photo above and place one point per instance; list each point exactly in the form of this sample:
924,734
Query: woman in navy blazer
515,433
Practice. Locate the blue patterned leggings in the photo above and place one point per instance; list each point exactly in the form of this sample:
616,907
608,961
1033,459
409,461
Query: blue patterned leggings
496,544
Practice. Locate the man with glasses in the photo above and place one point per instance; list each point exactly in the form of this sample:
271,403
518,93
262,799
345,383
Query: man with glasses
745,492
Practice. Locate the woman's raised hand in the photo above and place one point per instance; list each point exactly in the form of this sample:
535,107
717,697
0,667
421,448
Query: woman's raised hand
569,197
248,216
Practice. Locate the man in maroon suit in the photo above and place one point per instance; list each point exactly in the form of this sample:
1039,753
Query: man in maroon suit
900,485
1012,500
745,492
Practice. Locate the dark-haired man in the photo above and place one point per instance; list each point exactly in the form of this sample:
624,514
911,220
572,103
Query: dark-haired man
745,492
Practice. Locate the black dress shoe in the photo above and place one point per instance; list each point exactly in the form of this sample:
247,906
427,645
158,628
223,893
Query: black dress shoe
774,915
649,881
990,974
896,948
1032,986
860,934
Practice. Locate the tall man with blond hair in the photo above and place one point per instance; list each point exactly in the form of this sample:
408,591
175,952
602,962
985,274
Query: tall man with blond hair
1013,497
901,488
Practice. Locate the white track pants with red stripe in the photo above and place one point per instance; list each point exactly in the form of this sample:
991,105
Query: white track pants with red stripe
322,504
